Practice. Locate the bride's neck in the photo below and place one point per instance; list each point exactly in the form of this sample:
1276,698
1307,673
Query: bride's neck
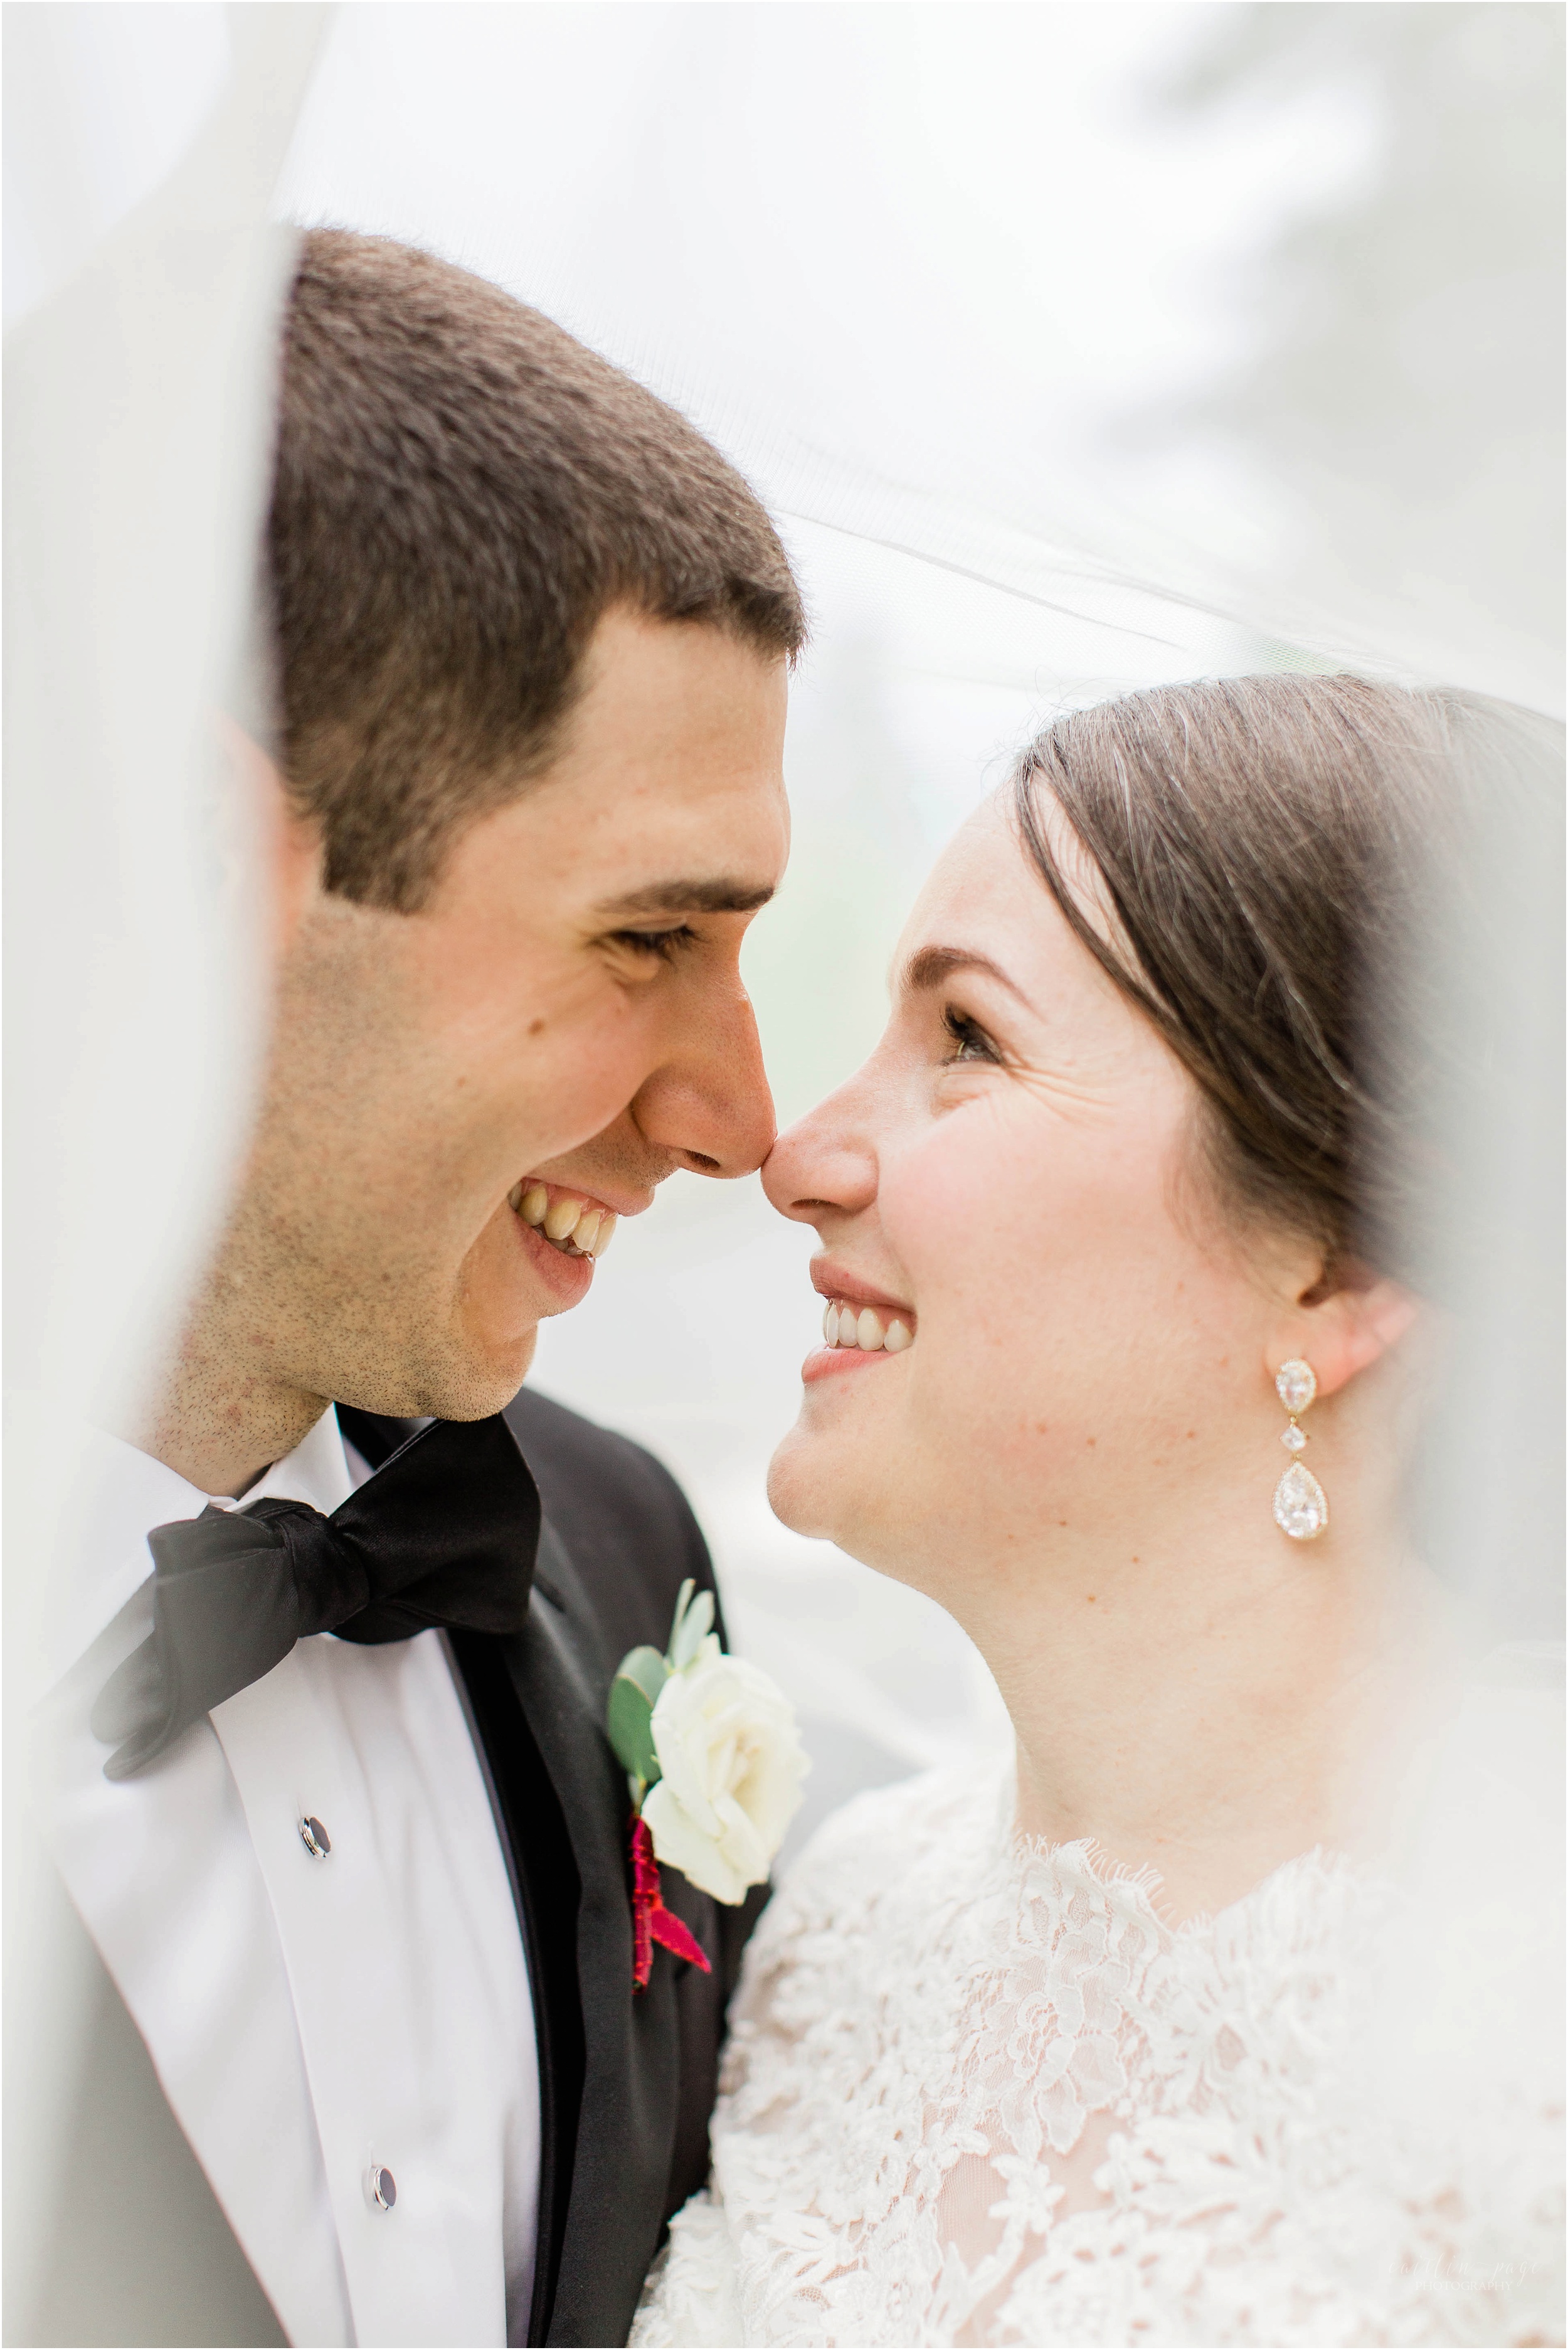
1207,1715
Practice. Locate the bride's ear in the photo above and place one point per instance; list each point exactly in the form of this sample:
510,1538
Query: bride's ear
1342,1323
290,845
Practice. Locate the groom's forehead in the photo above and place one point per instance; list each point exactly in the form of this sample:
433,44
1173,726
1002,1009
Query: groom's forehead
679,850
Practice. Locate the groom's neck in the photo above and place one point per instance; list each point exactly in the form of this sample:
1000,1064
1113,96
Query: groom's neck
224,1416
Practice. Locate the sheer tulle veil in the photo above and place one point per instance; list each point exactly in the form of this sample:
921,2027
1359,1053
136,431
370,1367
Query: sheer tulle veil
1076,349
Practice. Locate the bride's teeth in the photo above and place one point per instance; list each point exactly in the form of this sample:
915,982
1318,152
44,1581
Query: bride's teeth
842,1326
534,1204
560,1218
605,1234
515,1198
585,1231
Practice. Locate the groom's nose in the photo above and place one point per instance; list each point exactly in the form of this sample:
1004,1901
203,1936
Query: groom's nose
708,1104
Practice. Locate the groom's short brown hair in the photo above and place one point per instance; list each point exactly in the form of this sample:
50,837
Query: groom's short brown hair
462,490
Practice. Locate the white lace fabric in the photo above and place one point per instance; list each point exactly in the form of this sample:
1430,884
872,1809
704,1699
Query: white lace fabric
978,2092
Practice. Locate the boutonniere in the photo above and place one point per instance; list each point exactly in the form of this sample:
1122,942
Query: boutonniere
714,1764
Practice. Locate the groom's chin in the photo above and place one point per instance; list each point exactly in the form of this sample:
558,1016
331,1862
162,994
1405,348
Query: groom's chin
494,1376
466,1379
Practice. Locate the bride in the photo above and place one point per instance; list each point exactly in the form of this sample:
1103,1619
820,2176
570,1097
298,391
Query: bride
1086,2051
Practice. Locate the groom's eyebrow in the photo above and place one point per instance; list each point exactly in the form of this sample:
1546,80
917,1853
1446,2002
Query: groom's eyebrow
720,895
934,966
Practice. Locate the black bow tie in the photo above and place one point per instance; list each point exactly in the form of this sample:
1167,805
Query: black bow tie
445,1532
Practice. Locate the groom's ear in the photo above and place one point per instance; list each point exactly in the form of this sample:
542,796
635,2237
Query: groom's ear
289,844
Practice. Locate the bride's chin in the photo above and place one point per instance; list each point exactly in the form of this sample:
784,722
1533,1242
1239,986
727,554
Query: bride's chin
801,1486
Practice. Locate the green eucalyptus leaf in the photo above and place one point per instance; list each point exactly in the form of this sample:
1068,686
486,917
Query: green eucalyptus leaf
629,1717
693,1622
682,1601
647,1668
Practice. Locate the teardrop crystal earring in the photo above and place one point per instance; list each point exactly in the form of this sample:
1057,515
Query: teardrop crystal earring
1301,1505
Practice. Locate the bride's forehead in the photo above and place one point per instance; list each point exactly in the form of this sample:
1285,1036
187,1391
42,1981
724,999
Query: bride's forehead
983,881
987,911
982,856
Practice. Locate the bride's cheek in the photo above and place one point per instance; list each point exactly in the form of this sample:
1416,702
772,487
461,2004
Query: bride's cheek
955,1213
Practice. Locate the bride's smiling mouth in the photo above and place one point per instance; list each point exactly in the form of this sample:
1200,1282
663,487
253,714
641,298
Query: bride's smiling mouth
860,1325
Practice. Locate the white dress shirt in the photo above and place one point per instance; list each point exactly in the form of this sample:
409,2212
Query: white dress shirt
311,2019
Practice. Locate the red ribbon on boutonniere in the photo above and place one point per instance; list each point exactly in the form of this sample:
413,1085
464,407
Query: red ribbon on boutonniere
650,1920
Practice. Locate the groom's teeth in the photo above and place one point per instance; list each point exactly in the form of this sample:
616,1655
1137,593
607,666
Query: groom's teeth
843,1325
573,1225
561,1215
535,1200
584,1231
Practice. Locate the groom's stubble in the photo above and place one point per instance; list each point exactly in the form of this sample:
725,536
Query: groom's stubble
422,1064
531,636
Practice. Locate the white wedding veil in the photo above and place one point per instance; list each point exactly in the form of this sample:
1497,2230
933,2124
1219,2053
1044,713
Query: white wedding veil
1076,348
143,285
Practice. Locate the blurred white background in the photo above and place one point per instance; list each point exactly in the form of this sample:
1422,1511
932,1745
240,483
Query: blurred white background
1076,346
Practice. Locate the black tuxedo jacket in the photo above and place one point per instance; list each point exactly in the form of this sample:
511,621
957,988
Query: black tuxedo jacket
627,2079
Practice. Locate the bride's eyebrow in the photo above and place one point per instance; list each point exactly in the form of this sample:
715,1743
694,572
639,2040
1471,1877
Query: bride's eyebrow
934,966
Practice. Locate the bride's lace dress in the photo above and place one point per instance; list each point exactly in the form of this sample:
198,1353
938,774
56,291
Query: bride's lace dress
978,2092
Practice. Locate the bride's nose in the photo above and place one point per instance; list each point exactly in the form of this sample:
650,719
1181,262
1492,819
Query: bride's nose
825,1162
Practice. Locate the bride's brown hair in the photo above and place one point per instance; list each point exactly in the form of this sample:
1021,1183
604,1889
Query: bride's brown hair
1287,858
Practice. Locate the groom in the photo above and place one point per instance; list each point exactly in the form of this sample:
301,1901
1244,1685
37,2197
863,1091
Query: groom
362,1902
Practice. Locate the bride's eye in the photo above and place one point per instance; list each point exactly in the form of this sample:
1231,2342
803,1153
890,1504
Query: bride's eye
970,1042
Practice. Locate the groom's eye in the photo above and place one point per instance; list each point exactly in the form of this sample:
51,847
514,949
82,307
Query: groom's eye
665,945
970,1042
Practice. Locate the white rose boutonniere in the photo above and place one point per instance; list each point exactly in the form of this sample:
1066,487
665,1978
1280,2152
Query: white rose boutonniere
731,1763
714,1763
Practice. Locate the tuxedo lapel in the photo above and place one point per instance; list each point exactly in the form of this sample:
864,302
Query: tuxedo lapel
610,2058
630,2077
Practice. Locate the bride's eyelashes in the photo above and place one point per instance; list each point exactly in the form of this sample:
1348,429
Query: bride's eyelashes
970,1039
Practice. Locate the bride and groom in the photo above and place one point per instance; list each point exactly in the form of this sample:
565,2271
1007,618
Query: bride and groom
1112,1212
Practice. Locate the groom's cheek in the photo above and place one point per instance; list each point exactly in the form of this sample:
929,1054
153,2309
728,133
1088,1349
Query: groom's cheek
576,1079
527,1057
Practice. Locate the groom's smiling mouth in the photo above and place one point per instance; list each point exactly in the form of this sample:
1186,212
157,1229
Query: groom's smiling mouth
567,1221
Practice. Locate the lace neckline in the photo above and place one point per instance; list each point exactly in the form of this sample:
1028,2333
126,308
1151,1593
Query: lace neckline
1136,1888
980,2090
